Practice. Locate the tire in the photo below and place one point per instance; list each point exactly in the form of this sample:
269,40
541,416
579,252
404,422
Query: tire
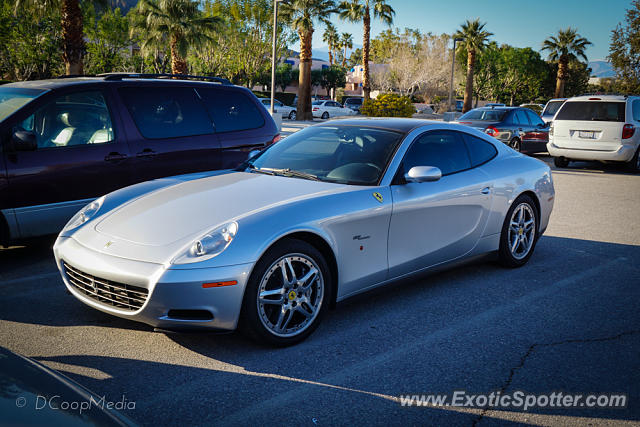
561,162
325,115
292,115
633,165
519,233
516,144
293,313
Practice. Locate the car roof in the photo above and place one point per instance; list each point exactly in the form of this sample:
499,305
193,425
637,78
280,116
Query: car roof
497,108
398,124
599,98
64,82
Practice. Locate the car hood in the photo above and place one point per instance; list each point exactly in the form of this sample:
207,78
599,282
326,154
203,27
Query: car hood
184,211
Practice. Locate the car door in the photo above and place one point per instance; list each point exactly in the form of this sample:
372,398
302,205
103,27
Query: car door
81,154
523,127
539,134
170,131
435,222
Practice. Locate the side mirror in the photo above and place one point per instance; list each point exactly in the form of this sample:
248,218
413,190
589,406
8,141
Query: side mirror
24,140
423,174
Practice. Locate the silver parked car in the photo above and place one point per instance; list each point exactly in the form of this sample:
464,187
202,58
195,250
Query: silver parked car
327,213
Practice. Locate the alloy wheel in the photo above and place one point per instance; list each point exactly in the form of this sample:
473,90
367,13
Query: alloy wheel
290,295
522,231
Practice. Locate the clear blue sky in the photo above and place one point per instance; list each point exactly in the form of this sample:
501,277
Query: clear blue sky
516,22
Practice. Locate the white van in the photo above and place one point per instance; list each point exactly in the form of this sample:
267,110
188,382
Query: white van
600,127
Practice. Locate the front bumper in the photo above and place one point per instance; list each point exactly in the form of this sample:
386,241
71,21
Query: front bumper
623,154
169,287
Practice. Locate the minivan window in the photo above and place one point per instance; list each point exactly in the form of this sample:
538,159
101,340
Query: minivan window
231,110
552,108
79,118
592,111
166,112
636,110
13,98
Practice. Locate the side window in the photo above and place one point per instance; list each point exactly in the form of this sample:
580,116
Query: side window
166,112
534,118
480,150
521,118
231,110
445,150
79,118
635,108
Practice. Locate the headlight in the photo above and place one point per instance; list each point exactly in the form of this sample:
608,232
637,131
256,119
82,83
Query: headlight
84,215
209,245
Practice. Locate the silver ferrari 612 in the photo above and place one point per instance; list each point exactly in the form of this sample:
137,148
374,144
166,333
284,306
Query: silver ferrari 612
331,211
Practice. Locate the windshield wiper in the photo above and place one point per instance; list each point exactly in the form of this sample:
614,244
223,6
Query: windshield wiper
287,172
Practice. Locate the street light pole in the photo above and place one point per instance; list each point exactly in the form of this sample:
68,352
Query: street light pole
273,54
453,63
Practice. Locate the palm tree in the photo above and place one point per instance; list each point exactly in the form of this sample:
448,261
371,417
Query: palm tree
180,21
73,46
301,14
346,42
474,39
360,11
567,46
332,39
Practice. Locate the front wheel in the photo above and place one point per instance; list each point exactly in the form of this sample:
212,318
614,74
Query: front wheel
519,233
287,294
561,162
325,115
292,115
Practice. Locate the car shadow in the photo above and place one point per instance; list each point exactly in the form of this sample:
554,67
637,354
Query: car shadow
586,167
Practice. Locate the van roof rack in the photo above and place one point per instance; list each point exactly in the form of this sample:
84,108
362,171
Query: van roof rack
606,93
120,76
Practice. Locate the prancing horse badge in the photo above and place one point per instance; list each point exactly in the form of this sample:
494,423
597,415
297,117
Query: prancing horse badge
378,197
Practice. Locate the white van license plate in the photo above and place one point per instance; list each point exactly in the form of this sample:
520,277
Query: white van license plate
587,134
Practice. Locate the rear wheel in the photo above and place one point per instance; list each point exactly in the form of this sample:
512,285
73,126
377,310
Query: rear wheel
515,144
287,294
634,164
519,233
292,115
561,162
325,115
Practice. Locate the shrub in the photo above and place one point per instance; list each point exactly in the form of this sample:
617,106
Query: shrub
388,105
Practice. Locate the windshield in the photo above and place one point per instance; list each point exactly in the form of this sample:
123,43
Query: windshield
484,115
592,111
317,103
552,108
12,99
344,154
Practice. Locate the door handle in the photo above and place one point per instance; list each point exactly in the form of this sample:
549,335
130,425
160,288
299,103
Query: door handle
114,157
147,152
486,190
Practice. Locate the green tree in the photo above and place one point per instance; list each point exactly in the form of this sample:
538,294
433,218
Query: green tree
108,39
181,22
577,82
564,47
301,15
474,40
346,42
333,78
71,21
332,39
624,51
360,11
354,58
284,76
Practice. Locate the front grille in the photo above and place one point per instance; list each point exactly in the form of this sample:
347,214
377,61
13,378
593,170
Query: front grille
104,291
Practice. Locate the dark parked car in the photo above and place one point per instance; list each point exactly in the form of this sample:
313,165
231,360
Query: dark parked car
353,102
459,105
67,141
520,128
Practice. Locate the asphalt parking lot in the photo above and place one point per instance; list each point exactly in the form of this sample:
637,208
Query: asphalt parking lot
568,321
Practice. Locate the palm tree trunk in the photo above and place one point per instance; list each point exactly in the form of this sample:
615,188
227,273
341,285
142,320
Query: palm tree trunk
563,65
304,79
468,88
344,57
330,56
178,64
365,55
72,37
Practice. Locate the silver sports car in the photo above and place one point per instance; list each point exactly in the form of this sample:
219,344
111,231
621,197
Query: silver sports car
329,212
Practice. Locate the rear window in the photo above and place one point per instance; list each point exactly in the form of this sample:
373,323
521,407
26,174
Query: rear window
166,112
357,101
231,110
592,111
484,115
552,108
